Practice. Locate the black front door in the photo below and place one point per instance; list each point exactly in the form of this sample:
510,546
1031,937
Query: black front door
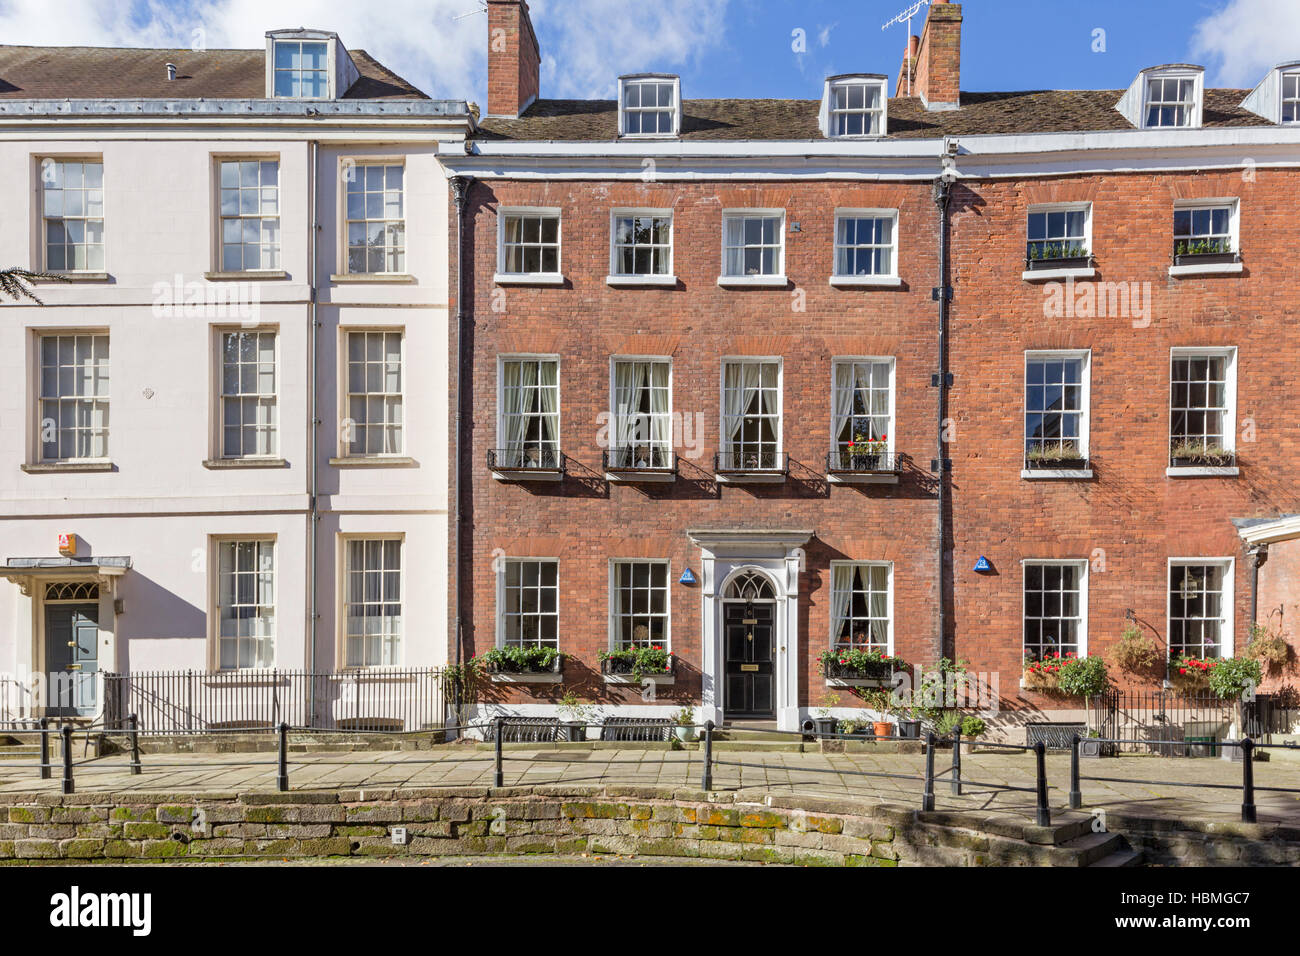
72,658
747,637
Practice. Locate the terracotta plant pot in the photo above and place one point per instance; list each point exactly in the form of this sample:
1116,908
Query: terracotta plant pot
883,728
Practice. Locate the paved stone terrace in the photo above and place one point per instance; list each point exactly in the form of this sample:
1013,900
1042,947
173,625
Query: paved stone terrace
828,774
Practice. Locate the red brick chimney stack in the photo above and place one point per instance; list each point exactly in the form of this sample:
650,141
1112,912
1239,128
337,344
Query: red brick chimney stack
514,58
938,60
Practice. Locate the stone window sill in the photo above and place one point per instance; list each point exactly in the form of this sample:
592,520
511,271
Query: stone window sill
55,467
222,464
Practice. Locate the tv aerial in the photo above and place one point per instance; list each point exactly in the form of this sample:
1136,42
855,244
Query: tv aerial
906,16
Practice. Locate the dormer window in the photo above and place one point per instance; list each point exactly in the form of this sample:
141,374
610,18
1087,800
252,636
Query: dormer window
854,106
1291,97
649,105
1171,102
302,69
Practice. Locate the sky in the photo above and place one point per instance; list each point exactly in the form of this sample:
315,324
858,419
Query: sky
742,48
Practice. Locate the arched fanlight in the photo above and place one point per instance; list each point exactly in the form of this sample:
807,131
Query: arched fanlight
750,587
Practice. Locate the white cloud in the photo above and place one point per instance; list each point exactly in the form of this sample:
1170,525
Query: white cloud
1240,42
587,44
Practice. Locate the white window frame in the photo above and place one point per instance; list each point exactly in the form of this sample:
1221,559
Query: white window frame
829,112
616,276
345,452
776,279
502,566
1085,416
502,277
831,636
343,570
218,162
889,278
1229,354
667,614
889,360
1082,564
1065,207
1195,108
350,168
1227,647
724,440
272,70
219,443
39,336
1233,205
1283,99
614,416
44,177
505,357
650,78
220,542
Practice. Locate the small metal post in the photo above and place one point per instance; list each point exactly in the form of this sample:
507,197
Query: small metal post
135,744
1076,794
927,798
1247,781
956,761
1044,812
499,780
45,748
68,785
282,774
707,782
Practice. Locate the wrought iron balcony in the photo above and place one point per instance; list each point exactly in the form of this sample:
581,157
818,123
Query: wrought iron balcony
646,462
527,463
851,465
752,465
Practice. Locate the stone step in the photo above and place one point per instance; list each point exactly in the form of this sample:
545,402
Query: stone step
1125,857
1092,847
764,746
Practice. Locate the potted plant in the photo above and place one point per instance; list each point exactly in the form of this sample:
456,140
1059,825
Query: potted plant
881,701
517,659
824,723
684,724
1235,679
852,727
575,728
864,453
1135,653
1197,251
637,662
1189,675
855,663
1057,255
1056,456
1043,674
1268,648
1196,452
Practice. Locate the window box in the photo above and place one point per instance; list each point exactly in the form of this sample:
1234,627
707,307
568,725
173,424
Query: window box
1061,262
752,466
635,665
526,464
523,665
844,465
1206,258
858,668
1072,463
640,463
1206,459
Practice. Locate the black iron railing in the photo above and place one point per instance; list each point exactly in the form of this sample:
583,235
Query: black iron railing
851,462
195,702
751,462
529,458
641,458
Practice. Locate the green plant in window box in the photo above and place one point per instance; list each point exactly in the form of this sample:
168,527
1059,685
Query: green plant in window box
1202,247
858,663
1191,675
1043,674
516,659
1054,455
637,661
1039,251
1198,452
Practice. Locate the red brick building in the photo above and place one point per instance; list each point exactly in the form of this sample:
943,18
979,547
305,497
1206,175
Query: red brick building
737,373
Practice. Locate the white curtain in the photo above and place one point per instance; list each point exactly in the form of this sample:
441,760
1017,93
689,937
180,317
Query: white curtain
843,401
549,379
879,604
661,427
629,379
841,594
518,379
741,383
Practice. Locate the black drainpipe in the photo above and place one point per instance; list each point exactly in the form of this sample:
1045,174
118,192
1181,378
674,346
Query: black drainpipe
1260,554
460,192
943,464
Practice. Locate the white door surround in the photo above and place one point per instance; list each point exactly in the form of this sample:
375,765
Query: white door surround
778,555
